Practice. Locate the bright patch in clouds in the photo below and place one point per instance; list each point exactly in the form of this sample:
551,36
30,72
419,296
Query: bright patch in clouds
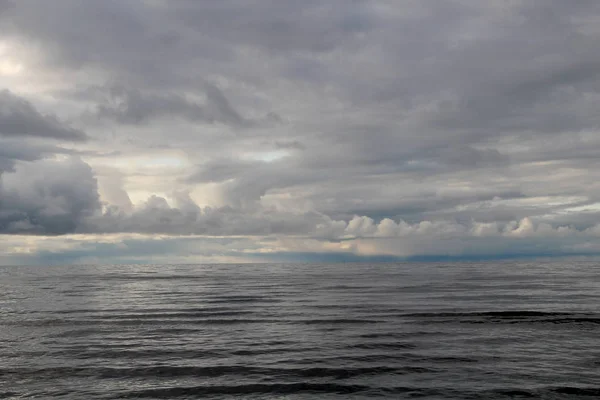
8,64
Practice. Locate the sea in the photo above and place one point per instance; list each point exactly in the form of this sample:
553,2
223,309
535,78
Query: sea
459,330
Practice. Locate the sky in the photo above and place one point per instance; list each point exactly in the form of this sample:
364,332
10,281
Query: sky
155,131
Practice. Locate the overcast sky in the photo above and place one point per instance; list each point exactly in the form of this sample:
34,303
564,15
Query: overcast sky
283,130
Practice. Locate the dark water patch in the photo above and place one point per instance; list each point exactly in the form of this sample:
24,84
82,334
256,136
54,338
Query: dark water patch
345,287
301,388
578,391
511,393
253,389
507,317
593,321
382,335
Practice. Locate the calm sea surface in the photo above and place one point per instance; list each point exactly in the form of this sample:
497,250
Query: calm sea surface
333,331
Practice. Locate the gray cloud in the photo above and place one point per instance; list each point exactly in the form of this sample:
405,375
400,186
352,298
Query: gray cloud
282,116
19,118
132,106
294,145
15,150
185,217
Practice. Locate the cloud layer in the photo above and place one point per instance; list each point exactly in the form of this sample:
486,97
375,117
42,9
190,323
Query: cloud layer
370,128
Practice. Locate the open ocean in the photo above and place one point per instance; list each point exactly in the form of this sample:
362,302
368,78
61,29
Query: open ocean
493,330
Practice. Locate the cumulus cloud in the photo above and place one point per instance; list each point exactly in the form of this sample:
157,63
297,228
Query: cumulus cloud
185,217
365,227
47,197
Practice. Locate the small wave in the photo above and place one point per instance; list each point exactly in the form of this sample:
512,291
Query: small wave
124,311
84,332
399,335
269,351
346,287
383,335
151,353
336,321
241,299
59,322
169,315
139,277
388,357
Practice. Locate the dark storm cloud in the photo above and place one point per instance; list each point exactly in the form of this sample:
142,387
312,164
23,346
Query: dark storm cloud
19,118
47,197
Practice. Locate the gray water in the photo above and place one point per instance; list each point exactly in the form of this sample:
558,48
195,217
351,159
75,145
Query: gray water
333,331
